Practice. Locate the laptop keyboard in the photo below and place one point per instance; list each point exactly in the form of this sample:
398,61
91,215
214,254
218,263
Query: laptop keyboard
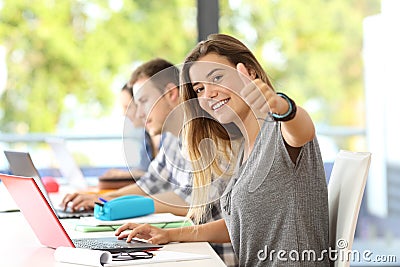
69,214
113,245
96,244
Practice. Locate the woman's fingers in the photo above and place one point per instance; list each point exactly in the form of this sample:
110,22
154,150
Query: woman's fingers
122,235
143,231
256,94
124,227
252,92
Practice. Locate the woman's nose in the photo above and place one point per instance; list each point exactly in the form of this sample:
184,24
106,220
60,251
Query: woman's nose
210,92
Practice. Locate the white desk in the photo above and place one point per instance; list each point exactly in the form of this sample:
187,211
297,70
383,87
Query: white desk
20,247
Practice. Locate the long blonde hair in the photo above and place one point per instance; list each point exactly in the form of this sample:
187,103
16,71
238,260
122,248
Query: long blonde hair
211,160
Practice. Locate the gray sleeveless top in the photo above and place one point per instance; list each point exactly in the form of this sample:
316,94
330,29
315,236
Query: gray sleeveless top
272,204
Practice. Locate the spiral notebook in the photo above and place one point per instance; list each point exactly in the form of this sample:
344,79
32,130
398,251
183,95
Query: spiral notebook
104,259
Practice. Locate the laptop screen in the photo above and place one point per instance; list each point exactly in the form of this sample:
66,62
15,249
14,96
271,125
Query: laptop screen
48,228
37,211
21,164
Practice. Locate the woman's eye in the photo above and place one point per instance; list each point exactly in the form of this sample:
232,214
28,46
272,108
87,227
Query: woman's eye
199,90
217,78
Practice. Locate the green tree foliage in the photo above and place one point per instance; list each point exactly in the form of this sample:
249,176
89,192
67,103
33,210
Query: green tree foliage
58,49
311,49
76,48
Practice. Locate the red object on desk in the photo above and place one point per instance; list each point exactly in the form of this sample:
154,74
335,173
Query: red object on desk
50,184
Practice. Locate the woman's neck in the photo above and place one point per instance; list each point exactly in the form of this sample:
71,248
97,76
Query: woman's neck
250,127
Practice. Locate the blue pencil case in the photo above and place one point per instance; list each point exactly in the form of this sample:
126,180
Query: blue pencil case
123,208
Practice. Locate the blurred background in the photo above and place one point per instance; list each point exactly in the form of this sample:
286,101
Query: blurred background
63,63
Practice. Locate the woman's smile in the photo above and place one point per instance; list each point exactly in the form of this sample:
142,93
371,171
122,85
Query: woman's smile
217,106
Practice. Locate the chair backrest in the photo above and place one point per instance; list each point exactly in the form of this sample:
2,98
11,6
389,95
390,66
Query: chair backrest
345,191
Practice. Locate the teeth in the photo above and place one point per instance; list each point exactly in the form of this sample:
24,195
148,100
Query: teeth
219,104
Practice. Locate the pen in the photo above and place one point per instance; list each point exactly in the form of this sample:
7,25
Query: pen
103,200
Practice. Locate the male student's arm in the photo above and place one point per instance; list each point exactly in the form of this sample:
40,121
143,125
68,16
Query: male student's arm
163,202
158,182
162,191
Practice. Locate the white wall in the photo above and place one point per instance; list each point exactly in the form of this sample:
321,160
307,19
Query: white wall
381,54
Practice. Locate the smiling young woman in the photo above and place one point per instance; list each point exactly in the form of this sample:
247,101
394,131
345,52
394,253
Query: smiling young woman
277,194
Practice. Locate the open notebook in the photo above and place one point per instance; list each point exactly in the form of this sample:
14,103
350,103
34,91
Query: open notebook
48,228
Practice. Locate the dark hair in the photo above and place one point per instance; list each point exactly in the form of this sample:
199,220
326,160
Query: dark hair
127,88
160,70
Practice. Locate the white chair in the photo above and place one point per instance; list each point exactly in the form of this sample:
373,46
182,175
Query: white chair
345,191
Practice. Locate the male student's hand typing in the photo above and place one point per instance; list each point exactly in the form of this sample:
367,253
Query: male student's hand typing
79,201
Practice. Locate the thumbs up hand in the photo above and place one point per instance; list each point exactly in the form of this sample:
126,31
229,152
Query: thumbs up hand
260,97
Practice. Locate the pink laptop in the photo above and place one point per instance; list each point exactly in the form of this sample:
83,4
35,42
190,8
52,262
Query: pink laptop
48,227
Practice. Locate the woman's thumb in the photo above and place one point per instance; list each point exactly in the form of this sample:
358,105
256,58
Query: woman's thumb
243,73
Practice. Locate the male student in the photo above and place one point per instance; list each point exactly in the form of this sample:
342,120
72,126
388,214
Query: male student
168,179
153,107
